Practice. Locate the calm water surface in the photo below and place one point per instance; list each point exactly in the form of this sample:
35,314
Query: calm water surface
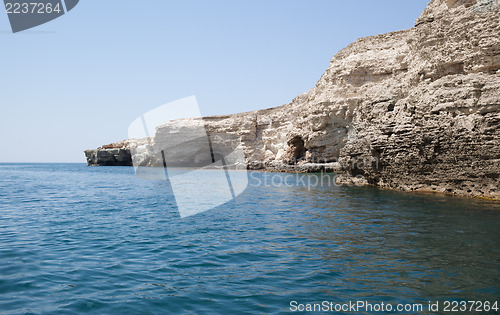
98,240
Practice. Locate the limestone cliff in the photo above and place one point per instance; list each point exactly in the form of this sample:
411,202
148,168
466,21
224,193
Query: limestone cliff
113,154
417,109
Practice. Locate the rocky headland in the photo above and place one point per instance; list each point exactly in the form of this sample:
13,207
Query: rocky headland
416,110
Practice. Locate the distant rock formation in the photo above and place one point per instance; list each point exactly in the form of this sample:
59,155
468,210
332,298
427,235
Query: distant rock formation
113,154
417,109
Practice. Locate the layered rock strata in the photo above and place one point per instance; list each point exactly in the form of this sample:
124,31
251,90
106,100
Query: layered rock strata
113,154
417,109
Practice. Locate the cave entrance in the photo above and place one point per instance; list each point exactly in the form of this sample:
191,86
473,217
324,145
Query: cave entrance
296,149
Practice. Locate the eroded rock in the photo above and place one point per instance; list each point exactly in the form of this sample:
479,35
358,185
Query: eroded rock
417,109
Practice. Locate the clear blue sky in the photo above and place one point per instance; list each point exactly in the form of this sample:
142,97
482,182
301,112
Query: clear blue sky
79,81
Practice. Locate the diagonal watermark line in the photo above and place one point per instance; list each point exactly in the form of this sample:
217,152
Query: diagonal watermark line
63,3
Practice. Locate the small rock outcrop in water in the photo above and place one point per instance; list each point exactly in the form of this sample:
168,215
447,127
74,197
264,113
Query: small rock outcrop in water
417,109
113,154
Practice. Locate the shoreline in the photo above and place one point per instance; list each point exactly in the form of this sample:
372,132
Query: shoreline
410,110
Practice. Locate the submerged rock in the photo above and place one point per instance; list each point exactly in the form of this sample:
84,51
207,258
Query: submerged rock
417,109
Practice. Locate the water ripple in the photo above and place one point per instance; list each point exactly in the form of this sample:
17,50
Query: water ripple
76,239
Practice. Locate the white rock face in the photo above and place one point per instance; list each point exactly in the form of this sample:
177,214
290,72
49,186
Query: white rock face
417,109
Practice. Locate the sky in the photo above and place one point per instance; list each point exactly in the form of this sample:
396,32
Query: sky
78,82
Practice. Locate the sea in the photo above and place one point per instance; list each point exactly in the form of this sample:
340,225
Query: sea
100,240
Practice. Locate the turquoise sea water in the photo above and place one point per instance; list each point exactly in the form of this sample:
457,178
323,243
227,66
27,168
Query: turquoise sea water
98,240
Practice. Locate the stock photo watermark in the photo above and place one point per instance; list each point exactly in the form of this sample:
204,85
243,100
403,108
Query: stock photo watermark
413,308
26,14
178,147
308,180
